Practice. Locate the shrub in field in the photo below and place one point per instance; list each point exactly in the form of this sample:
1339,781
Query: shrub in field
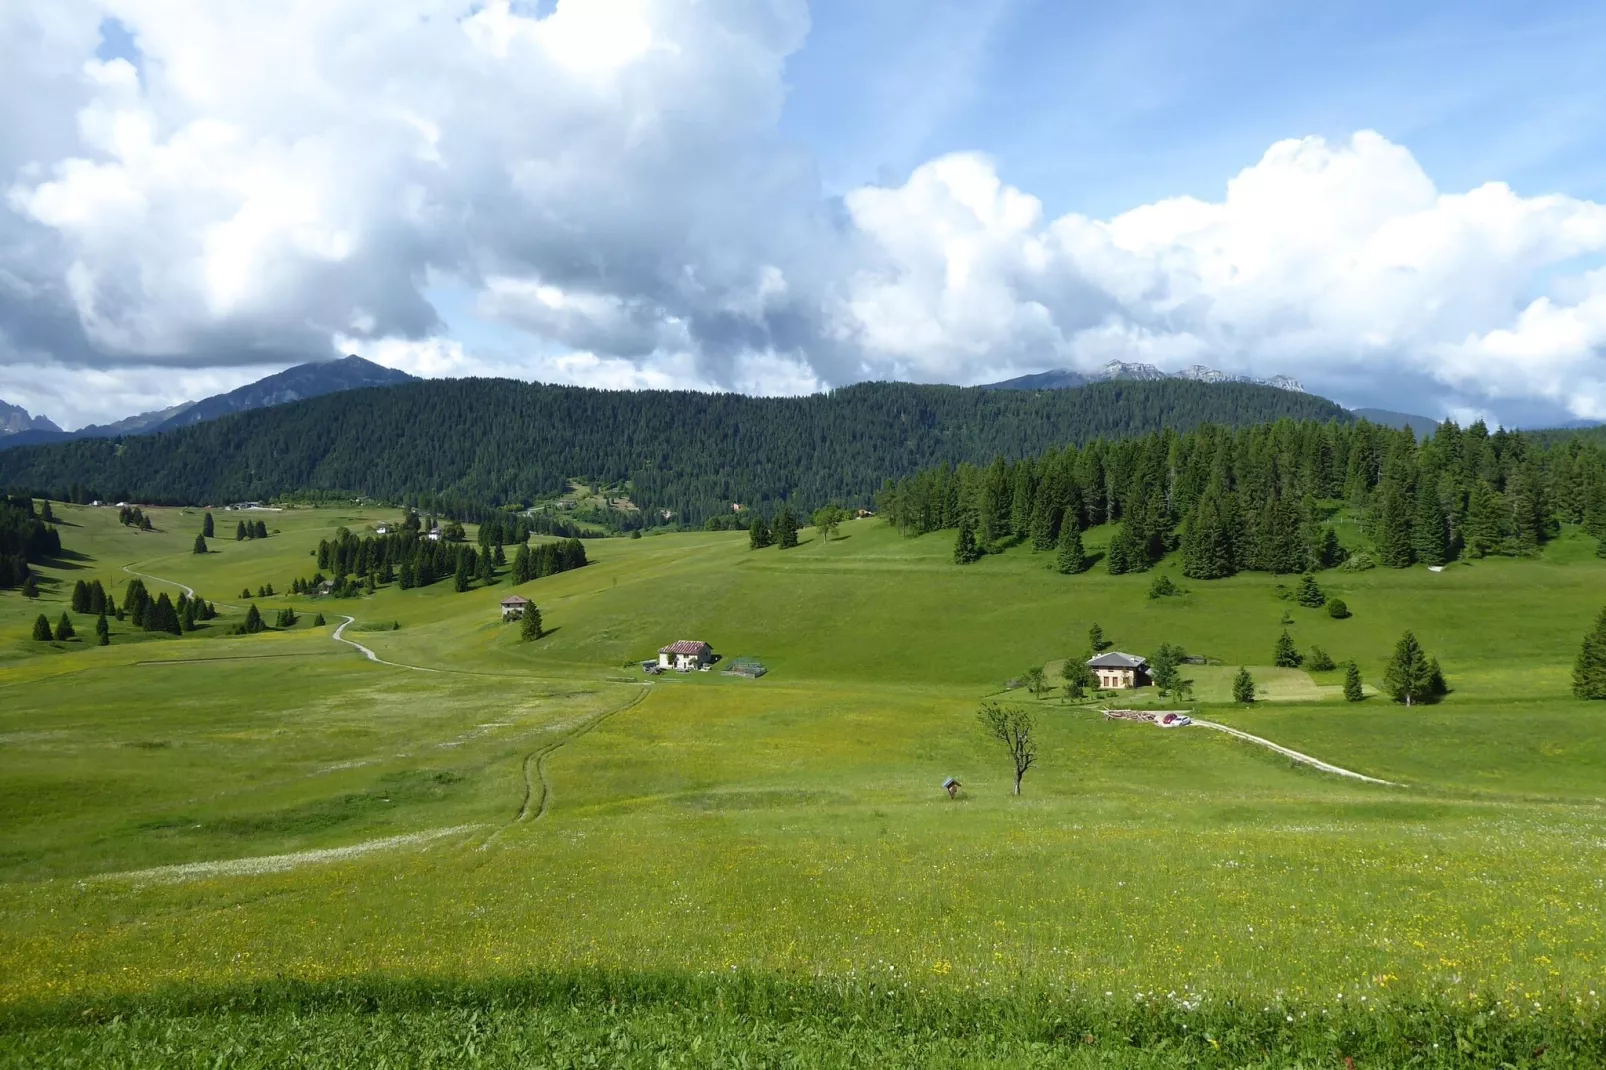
1337,609
1320,660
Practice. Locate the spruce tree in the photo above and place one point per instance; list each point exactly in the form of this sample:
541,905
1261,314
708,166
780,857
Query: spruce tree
786,528
103,631
1243,687
239,532
64,628
1430,529
1589,671
1486,529
1408,678
30,589
966,550
1394,547
1120,557
97,598
318,621
207,530
200,544
261,530
1320,660
1353,691
41,629
80,597
1286,655
1310,595
1095,638
758,534
530,627
1071,558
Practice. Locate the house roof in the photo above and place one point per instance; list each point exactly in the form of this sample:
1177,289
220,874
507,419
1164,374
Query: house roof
515,600
1117,660
685,646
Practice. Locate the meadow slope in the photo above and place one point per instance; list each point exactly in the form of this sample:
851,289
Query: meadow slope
791,830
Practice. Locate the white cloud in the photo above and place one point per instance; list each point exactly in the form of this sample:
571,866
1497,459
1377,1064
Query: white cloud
274,182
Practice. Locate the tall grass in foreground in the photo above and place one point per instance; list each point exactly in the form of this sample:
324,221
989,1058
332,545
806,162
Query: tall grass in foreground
655,1020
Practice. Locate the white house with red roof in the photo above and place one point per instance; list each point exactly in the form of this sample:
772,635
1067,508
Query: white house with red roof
685,655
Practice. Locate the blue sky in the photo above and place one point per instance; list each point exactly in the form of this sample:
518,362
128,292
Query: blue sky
1099,107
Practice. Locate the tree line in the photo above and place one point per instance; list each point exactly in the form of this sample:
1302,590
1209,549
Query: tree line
1262,498
26,538
469,444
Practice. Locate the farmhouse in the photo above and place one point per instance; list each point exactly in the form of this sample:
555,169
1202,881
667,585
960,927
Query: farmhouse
685,655
513,607
1116,670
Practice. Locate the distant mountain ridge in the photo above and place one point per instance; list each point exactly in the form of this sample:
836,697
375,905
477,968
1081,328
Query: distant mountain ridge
303,381
1421,426
15,420
1120,370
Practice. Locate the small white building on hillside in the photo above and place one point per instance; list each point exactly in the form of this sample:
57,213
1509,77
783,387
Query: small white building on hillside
685,655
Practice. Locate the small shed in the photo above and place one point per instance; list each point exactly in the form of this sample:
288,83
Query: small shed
1116,671
686,655
513,607
751,668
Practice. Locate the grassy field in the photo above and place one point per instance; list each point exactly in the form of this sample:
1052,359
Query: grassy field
271,846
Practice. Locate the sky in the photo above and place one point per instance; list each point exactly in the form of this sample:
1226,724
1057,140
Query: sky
1399,205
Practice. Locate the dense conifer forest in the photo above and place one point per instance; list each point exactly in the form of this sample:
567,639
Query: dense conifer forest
1264,498
26,538
460,445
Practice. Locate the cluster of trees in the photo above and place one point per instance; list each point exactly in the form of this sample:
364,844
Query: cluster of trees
691,453
93,598
781,532
547,559
248,529
162,614
26,537
132,516
1258,498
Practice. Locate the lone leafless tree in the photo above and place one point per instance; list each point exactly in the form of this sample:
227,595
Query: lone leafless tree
1011,726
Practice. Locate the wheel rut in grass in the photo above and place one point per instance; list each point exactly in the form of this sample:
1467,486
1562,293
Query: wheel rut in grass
537,790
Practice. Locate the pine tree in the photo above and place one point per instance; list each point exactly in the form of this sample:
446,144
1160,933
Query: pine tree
1394,530
786,528
1589,671
260,531
1320,660
758,534
1310,595
1120,558
207,530
97,598
1353,691
239,532
1329,552
1077,676
64,628
530,628
41,629
80,597
1286,655
1095,638
1408,676
1430,529
1071,558
30,589
1486,529
200,544
1243,687
253,620
318,621
966,550
103,631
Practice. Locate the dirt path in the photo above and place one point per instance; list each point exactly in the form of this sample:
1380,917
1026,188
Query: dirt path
1314,763
260,864
189,592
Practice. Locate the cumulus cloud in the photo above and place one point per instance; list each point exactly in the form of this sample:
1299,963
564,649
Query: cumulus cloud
265,183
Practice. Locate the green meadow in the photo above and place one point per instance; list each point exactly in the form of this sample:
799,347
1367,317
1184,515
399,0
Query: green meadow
270,850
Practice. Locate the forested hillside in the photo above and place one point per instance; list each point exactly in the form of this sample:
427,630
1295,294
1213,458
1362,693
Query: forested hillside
458,444
1260,498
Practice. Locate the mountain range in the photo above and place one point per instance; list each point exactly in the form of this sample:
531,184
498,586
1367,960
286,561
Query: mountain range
303,381
1119,370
